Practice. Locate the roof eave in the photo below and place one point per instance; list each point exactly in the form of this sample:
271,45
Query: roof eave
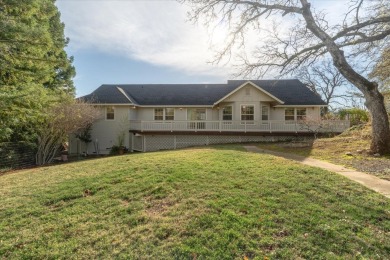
301,105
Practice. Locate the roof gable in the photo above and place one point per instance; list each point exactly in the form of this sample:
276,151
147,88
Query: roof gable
252,85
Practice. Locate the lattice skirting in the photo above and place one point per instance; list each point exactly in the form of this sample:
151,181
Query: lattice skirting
148,143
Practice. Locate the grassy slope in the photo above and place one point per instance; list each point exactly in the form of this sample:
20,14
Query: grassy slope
196,203
334,150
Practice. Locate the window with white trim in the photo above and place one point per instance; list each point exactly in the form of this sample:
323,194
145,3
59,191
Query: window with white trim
169,113
110,113
301,113
227,113
264,113
289,114
164,114
159,114
247,113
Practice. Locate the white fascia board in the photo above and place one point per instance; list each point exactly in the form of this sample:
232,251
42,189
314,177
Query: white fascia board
182,106
253,85
135,105
112,104
300,106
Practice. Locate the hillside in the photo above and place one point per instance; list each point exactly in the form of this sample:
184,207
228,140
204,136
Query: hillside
351,149
219,203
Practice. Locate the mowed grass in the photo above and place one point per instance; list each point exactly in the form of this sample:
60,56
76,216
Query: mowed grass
213,203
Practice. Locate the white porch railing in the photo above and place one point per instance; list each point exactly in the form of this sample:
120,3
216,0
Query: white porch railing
270,126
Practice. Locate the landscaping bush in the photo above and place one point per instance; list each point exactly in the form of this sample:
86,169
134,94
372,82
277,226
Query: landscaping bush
356,116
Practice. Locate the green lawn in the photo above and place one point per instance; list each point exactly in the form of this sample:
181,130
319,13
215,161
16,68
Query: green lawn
219,203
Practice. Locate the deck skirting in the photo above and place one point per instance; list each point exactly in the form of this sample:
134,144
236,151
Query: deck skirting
155,142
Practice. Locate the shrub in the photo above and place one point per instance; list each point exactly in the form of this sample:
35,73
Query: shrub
356,116
116,149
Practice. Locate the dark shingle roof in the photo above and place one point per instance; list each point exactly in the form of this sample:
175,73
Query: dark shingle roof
291,92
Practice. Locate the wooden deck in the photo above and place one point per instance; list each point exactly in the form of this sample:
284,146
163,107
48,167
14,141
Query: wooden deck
239,127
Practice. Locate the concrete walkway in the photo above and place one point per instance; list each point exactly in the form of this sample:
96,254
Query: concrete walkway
374,183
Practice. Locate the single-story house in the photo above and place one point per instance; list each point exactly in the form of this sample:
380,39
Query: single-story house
150,117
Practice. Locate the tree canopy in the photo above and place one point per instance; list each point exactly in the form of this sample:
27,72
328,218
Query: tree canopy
34,67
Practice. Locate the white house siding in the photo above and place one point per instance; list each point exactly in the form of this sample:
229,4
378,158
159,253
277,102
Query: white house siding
133,114
312,113
254,98
145,113
215,114
277,113
105,132
180,114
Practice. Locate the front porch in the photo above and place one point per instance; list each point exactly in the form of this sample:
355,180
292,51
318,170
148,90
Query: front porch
270,126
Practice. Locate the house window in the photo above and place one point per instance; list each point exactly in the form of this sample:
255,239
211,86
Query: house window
227,113
164,114
264,113
158,114
301,113
110,113
247,113
169,114
289,114
196,114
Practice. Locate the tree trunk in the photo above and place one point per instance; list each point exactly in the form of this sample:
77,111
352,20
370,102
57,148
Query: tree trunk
374,99
380,123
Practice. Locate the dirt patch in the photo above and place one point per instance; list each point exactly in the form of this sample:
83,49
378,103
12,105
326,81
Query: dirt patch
378,167
159,207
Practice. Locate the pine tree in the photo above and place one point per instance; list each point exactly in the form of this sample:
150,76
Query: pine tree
34,67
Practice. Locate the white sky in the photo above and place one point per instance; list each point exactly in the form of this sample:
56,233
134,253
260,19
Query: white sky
156,32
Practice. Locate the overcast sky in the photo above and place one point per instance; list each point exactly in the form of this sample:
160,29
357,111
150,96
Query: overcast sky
144,41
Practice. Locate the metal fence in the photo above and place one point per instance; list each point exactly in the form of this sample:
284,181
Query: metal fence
16,155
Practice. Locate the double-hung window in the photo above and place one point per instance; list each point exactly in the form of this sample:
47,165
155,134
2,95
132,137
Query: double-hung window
161,114
110,113
247,113
169,114
291,114
264,113
227,113
301,114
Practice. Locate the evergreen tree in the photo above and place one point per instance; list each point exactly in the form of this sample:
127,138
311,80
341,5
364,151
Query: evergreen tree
34,67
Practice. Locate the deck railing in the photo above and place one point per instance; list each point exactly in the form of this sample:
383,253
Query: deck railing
318,126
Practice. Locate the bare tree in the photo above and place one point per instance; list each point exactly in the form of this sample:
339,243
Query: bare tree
63,119
381,71
310,36
326,81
